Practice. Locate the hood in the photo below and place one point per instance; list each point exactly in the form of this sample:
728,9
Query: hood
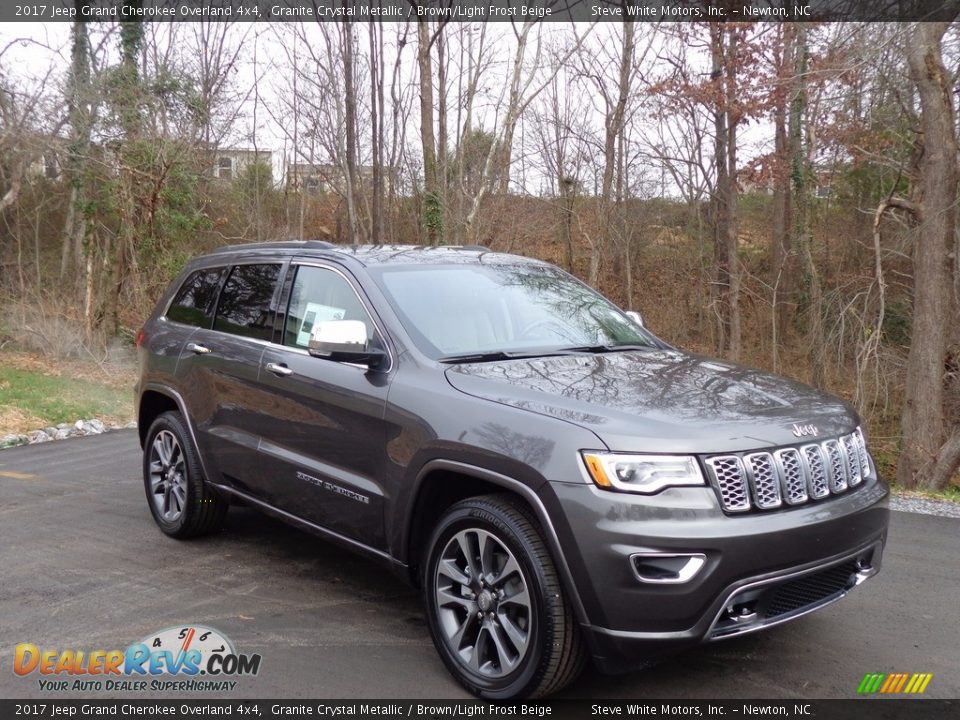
661,400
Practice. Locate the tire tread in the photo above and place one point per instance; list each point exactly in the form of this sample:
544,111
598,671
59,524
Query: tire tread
206,509
565,653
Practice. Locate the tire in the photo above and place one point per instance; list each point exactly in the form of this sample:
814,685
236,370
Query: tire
491,642
179,499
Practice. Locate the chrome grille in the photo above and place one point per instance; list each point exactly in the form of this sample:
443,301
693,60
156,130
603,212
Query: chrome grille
766,484
791,470
861,444
817,480
853,460
792,476
730,480
837,464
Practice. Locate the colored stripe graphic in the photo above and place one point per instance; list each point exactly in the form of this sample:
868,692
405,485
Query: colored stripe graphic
866,685
894,683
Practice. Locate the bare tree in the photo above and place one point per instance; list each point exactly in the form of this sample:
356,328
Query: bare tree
926,460
432,205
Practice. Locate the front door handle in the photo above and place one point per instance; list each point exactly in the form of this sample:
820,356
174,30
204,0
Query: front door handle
197,348
279,370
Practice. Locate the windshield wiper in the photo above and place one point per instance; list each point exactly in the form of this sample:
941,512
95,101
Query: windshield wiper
481,357
605,348
495,355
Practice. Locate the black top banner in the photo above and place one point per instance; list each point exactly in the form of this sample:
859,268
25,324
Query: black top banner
481,10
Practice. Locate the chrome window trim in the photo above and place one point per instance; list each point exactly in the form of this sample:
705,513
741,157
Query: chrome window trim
368,308
269,343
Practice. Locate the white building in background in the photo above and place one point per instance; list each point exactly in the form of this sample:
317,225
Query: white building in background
230,162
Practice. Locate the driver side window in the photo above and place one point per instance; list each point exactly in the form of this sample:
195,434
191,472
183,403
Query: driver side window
319,295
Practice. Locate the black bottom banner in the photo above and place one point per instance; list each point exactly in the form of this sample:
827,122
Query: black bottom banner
876,709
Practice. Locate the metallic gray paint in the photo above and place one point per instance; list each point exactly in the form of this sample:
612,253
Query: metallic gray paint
518,425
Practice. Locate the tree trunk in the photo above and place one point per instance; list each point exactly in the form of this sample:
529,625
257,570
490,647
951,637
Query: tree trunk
613,126
802,240
357,233
780,272
934,313
722,195
733,261
377,136
131,39
78,99
432,211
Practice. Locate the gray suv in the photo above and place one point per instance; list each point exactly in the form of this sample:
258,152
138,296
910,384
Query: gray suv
561,483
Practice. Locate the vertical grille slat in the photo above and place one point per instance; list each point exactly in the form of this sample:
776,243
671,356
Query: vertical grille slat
862,452
816,467
792,475
789,476
853,460
766,484
730,480
837,465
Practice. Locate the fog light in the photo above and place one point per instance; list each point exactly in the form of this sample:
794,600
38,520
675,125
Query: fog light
667,568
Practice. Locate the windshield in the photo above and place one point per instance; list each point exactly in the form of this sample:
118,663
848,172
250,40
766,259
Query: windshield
463,310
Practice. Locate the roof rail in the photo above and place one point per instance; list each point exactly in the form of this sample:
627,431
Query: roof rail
478,248
277,245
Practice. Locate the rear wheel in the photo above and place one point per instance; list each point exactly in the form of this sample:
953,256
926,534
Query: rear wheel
497,612
180,501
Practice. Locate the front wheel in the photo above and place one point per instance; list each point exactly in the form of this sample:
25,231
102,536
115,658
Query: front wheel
496,608
179,499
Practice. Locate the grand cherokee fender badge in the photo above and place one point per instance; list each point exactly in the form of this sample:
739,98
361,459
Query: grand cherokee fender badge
327,485
805,430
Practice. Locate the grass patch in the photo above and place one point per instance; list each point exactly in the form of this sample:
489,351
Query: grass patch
35,398
949,494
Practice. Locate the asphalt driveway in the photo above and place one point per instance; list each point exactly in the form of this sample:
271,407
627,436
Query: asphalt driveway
82,566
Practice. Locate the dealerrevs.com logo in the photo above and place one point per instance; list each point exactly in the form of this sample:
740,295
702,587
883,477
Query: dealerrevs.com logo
184,658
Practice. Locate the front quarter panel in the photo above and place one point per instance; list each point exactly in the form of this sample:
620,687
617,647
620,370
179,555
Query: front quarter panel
428,420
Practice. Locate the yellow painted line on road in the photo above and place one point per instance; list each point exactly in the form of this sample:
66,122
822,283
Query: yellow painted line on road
17,475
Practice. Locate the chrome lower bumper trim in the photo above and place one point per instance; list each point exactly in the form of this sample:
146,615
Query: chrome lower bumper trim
867,565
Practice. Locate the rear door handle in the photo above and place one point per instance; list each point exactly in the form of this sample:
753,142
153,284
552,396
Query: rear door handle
198,349
279,370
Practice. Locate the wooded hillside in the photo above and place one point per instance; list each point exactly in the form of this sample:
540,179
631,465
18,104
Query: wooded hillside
783,195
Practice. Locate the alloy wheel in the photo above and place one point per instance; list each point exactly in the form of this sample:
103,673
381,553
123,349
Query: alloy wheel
168,482
483,602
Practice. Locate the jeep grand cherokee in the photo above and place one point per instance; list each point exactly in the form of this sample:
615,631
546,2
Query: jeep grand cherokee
561,483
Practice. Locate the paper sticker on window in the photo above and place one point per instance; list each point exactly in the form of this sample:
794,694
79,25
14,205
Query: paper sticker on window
315,313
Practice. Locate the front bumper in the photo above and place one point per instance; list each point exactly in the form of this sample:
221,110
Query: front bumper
770,566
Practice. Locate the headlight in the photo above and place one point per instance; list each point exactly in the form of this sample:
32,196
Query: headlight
645,474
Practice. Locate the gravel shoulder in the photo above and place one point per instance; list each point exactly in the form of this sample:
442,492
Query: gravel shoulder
915,503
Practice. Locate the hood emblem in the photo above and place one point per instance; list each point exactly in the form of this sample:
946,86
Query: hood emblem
805,430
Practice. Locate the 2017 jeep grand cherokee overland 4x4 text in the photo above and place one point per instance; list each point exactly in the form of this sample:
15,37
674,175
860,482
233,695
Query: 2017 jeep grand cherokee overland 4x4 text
560,482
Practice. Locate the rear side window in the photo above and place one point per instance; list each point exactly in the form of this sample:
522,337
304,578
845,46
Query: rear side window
194,302
246,301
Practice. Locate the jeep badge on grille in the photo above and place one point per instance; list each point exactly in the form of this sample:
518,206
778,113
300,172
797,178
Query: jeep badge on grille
805,430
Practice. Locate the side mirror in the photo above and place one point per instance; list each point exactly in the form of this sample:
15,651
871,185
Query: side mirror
344,341
636,317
